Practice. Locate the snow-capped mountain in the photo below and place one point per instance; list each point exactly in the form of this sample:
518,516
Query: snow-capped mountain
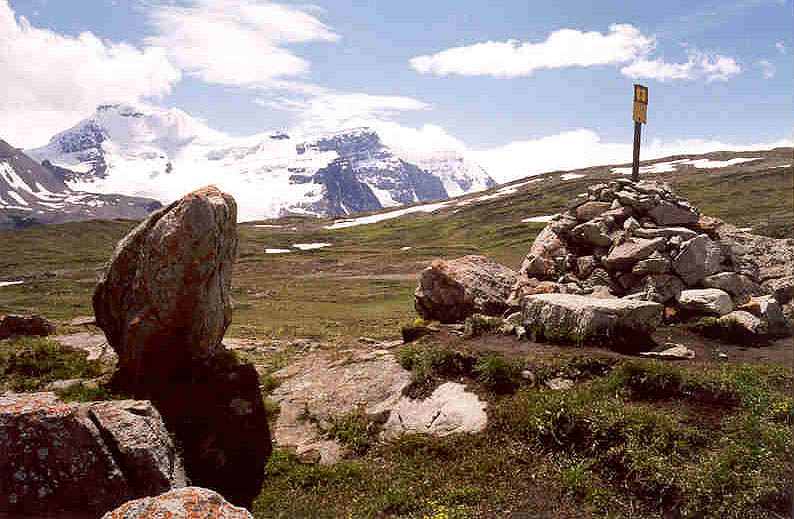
31,194
163,154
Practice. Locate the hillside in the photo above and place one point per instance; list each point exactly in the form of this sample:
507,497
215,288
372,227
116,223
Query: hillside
632,437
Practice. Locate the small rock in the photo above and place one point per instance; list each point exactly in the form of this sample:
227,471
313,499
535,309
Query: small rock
521,332
559,383
528,376
83,320
671,352
625,255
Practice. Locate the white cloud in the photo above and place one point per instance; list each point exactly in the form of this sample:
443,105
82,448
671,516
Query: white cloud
781,47
698,64
563,48
623,44
236,42
50,81
583,148
767,69
328,111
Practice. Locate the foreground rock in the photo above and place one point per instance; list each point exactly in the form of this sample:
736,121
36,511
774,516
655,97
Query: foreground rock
164,303
711,301
322,387
24,325
450,291
81,456
449,409
183,503
582,319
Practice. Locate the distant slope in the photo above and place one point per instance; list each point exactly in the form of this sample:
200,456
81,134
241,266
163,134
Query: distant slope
165,153
31,194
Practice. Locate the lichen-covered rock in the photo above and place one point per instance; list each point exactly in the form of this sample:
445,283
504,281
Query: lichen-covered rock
450,291
661,288
165,297
164,303
81,456
525,286
183,503
771,312
546,256
24,325
781,289
574,318
711,301
591,209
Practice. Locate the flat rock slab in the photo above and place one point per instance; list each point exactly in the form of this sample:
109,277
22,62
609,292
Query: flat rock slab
449,409
706,300
327,387
574,318
95,344
671,352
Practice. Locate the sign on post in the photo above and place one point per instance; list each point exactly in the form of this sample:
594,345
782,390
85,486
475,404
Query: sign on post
640,114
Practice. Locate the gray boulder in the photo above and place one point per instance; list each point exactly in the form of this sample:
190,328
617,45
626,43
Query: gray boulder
594,232
590,210
706,301
699,257
742,327
183,503
739,286
667,214
81,456
771,313
661,288
781,288
625,255
578,319
450,291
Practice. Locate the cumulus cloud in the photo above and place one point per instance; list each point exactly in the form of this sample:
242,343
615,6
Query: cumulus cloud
583,148
623,44
236,42
698,65
767,68
50,80
326,111
563,48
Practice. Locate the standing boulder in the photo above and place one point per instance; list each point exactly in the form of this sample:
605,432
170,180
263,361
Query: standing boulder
450,291
164,299
164,303
81,456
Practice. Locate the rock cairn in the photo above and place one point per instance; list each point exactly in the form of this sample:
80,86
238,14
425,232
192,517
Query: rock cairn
164,302
635,241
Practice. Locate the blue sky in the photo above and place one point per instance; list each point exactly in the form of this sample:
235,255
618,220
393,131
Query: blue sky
505,83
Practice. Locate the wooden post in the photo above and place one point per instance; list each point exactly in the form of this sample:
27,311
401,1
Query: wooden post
635,165
639,115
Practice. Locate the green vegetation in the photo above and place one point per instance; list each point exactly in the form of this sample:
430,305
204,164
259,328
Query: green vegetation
479,324
728,330
30,363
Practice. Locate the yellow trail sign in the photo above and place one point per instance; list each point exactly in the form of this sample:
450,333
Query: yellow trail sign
640,103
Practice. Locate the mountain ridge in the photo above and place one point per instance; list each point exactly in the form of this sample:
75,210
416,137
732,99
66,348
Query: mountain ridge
161,153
